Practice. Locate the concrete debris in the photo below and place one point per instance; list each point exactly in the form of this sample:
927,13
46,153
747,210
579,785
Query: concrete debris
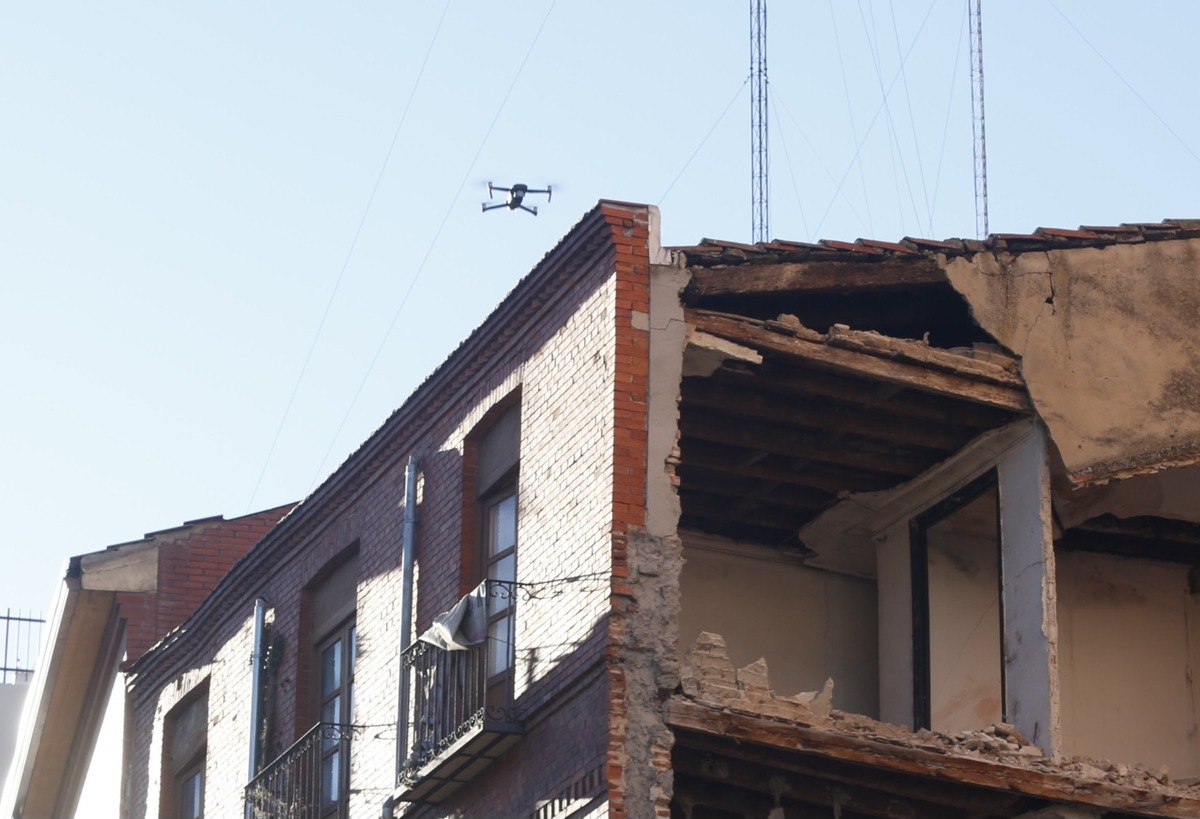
708,676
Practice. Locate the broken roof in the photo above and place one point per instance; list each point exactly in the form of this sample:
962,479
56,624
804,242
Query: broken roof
886,357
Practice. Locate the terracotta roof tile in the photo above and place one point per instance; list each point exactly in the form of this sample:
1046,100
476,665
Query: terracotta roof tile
1109,228
716,252
789,245
852,247
1064,233
893,246
730,245
933,244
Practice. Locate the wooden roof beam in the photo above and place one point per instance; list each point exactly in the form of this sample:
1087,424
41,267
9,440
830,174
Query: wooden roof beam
814,277
802,381
902,362
901,461
946,795
757,776
825,415
798,472
1052,785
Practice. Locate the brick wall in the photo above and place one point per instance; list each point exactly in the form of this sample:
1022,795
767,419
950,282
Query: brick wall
563,342
191,560
631,231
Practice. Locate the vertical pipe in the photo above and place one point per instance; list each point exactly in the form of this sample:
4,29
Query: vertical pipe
256,664
406,599
7,625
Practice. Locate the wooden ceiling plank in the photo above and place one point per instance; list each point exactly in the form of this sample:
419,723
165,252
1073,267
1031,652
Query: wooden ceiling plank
902,462
823,415
757,776
977,801
718,481
814,277
691,791
803,382
800,472
709,506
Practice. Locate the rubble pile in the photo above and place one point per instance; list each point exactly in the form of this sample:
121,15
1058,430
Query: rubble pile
708,676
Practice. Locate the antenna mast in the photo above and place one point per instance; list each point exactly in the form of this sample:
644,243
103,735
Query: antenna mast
759,196
977,120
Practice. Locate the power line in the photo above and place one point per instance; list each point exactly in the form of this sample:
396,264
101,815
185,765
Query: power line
432,243
1128,85
937,179
875,117
720,117
346,261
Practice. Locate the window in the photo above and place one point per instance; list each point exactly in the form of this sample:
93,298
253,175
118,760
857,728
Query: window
958,640
191,794
185,745
334,632
500,562
491,515
336,708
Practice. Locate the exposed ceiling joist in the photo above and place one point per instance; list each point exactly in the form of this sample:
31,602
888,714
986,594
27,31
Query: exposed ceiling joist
905,363
815,277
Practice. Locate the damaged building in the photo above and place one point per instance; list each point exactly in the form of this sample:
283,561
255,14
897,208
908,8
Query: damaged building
787,530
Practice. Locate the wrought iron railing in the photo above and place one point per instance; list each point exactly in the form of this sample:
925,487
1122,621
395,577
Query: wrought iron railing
454,692
310,780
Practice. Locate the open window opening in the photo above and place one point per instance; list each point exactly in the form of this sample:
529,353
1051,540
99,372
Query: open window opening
957,598
1128,591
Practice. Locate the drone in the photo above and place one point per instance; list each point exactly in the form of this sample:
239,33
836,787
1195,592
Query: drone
516,197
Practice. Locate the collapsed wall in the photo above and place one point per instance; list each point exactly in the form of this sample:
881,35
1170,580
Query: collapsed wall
1108,342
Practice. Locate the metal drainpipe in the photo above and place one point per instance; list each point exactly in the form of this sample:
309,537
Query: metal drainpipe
406,598
256,662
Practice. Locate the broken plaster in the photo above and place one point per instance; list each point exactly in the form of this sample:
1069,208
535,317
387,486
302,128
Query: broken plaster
1110,347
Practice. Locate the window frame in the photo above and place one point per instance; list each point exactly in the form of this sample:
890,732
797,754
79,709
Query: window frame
918,528
334,745
499,607
193,772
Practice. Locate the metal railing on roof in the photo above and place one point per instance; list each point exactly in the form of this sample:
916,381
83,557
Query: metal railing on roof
22,640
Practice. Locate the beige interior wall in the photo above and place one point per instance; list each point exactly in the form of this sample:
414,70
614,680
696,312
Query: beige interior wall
808,624
964,630
1129,640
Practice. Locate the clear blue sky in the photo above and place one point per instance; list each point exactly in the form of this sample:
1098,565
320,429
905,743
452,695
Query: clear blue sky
181,185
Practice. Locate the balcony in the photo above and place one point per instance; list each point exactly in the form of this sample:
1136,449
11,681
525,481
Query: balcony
307,781
461,715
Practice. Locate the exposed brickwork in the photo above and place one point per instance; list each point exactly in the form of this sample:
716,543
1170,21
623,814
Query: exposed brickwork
631,231
191,559
565,343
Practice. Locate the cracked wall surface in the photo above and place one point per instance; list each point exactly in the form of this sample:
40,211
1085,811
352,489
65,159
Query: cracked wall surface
1109,344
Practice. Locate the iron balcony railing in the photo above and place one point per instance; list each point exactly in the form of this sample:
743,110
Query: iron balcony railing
456,692
310,780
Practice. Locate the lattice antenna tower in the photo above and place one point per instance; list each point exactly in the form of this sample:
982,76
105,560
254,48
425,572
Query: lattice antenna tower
759,166
977,119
